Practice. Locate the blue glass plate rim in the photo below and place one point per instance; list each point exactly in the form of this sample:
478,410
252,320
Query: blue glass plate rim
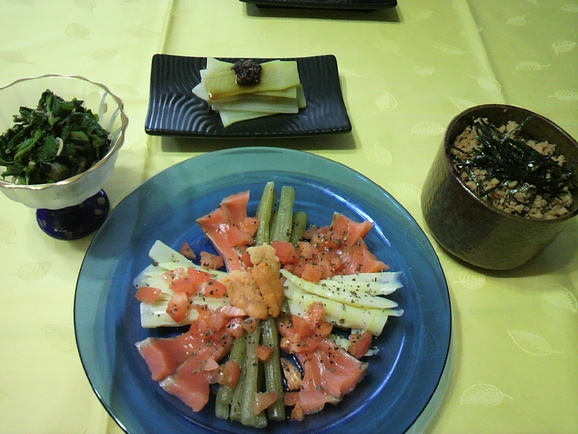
115,370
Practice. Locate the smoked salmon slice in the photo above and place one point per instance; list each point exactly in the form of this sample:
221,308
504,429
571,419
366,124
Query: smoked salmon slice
230,229
191,382
164,355
330,373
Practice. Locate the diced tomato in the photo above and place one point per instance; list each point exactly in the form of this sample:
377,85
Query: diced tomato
314,314
187,251
187,280
297,413
198,277
299,336
306,250
235,327
209,321
263,352
228,374
294,325
171,275
231,311
263,400
209,260
197,280
215,289
178,307
250,324
285,251
148,294
246,259
360,343
217,320
312,272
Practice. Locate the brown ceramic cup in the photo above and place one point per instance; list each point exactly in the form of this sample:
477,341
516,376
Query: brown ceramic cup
475,231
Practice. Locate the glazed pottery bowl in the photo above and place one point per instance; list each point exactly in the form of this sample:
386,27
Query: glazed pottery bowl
474,230
98,98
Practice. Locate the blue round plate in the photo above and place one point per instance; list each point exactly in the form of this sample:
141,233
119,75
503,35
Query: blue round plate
402,377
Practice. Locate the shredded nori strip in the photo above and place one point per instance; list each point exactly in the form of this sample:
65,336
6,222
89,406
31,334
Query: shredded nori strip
507,157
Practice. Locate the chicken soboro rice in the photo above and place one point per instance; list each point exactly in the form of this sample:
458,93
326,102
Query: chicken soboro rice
518,175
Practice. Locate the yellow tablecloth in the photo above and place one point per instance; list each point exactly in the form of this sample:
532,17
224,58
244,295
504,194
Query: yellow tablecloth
405,72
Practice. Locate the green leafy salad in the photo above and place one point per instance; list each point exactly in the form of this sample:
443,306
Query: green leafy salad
56,140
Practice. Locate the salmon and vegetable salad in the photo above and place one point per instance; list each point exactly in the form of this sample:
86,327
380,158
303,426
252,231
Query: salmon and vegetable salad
278,322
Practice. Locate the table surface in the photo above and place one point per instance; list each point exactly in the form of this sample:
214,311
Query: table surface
405,72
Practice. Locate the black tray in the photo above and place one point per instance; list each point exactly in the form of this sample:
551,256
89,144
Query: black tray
175,111
326,4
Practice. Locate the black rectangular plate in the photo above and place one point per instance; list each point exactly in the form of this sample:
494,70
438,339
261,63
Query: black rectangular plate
326,4
175,111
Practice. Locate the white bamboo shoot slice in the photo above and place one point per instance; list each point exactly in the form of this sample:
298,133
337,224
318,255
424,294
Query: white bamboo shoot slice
275,76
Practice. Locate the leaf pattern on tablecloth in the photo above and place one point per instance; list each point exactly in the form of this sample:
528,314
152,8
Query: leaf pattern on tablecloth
483,394
350,72
563,46
461,104
406,191
103,54
422,15
60,338
561,296
531,343
471,280
23,2
425,70
388,45
428,129
570,8
7,230
11,56
565,95
77,31
380,155
488,83
450,49
85,4
517,21
386,102
33,271
528,65
144,33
